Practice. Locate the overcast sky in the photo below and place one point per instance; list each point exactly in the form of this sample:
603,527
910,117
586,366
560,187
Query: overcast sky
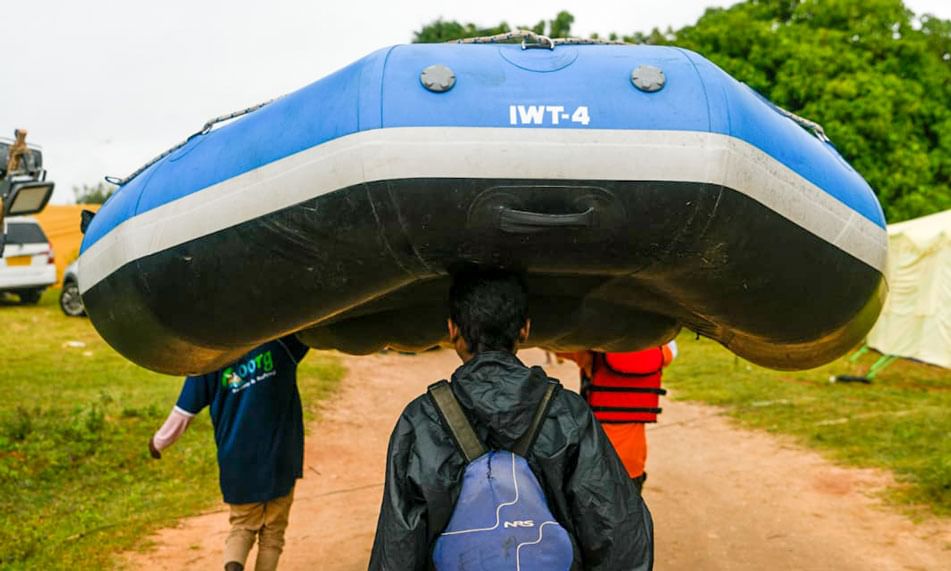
104,85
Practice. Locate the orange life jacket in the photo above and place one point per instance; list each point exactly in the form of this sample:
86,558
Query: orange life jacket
625,387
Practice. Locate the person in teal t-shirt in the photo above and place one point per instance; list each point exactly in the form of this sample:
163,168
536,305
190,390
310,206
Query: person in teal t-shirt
259,430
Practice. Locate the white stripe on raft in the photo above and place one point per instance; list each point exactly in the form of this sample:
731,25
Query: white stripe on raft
479,152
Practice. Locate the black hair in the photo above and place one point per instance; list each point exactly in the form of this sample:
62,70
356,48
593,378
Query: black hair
490,307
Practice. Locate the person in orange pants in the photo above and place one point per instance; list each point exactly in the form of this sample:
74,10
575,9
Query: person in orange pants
623,390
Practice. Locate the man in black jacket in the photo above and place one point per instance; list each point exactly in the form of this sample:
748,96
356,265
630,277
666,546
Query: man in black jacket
585,483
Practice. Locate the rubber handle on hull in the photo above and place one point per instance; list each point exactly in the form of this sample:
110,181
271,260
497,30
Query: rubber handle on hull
522,222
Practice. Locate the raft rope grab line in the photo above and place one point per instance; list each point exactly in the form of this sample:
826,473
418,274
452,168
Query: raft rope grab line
532,40
815,128
206,128
811,126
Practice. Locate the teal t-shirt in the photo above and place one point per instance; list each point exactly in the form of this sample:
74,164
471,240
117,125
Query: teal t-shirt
259,427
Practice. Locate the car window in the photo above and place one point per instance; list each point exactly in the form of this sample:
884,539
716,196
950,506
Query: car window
25,233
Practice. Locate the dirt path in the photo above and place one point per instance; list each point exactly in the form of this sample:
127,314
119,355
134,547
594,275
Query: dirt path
722,498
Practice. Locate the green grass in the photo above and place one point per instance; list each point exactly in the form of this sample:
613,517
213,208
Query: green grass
76,482
901,422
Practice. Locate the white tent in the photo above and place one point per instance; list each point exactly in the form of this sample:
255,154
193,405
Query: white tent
916,320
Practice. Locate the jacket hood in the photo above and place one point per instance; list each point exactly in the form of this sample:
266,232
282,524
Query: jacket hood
500,395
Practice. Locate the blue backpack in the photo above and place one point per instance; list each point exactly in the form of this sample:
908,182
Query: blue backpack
501,520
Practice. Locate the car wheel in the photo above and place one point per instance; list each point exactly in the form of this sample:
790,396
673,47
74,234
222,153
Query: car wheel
69,300
30,296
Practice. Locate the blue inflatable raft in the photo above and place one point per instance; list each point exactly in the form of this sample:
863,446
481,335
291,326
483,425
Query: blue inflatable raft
639,188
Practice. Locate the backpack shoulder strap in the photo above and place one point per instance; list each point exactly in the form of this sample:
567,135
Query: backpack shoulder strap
524,444
466,439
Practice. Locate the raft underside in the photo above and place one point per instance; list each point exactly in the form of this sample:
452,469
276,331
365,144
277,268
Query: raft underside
610,265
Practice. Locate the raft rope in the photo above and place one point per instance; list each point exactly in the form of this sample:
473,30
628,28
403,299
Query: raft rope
206,128
811,126
532,40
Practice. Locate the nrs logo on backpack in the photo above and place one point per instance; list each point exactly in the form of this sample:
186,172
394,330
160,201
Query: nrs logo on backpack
501,520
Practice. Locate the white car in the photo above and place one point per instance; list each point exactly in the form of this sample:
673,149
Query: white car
69,300
27,267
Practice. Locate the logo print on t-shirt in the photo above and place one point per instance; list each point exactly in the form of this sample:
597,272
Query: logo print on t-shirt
242,375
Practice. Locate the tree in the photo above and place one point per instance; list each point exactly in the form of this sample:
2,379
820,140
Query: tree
560,27
877,77
93,194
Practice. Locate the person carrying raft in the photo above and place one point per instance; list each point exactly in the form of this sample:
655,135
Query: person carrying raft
499,468
259,430
623,390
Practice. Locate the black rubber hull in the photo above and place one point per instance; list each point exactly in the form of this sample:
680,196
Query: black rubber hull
610,265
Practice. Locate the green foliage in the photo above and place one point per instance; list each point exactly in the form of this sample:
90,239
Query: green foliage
76,481
93,193
900,422
560,27
877,77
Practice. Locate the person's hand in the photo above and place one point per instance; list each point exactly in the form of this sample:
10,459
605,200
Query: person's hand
153,451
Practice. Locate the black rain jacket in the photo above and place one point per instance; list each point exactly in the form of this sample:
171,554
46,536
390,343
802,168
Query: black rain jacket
587,488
